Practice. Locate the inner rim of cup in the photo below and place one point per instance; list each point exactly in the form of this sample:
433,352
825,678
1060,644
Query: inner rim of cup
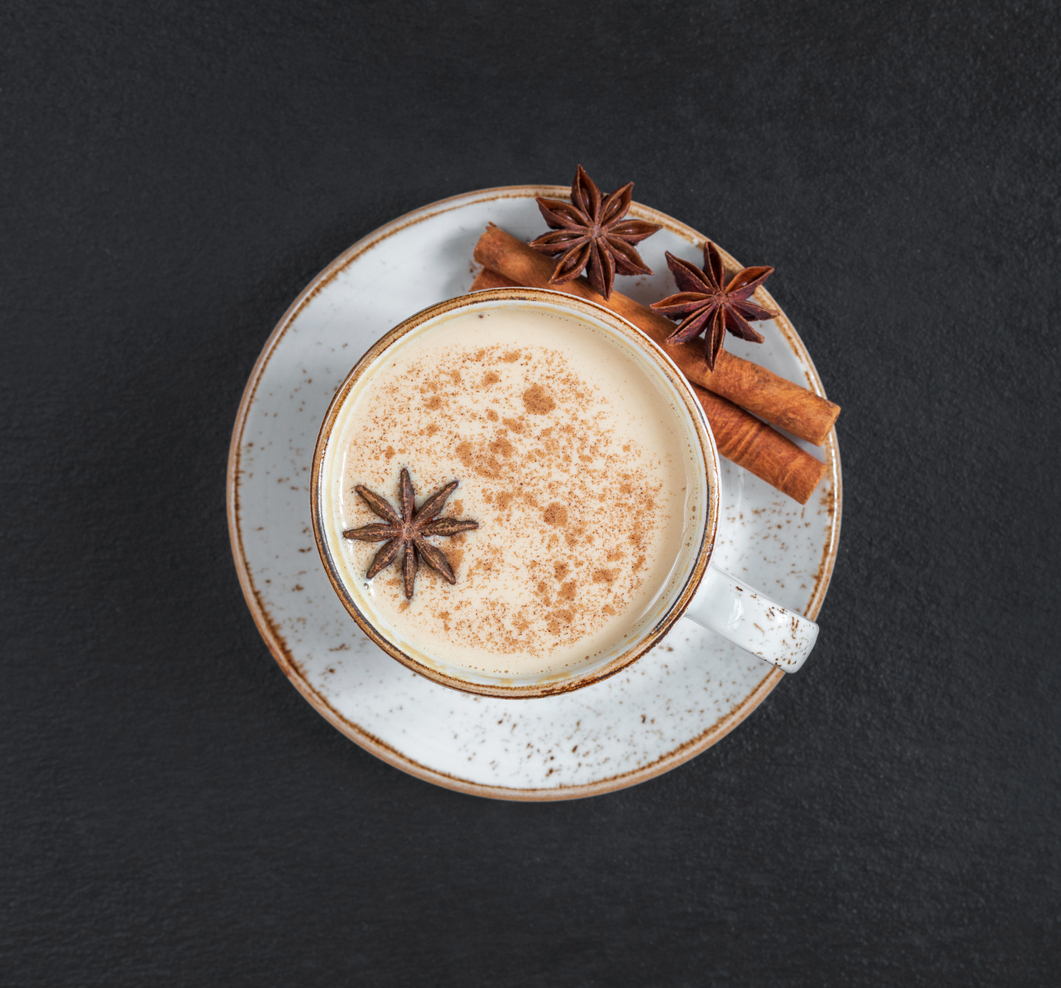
663,614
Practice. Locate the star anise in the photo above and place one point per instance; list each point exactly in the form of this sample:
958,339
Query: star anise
592,234
708,305
406,533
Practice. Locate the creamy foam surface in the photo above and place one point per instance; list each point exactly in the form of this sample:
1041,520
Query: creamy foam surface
568,457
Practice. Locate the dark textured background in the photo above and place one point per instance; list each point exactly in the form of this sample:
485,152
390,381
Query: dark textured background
173,813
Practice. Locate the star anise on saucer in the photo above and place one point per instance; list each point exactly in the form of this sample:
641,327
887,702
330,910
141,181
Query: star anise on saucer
591,234
407,531
707,304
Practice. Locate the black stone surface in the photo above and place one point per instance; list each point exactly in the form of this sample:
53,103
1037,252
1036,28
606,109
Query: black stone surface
172,812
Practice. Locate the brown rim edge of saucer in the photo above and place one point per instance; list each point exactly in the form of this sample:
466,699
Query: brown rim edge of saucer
275,641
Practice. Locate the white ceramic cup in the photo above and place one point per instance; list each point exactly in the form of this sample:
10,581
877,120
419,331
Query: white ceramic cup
704,593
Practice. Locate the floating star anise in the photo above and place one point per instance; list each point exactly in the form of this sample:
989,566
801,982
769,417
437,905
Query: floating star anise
592,234
406,533
708,305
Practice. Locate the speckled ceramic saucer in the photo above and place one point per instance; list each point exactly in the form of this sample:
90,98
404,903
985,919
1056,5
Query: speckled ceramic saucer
671,704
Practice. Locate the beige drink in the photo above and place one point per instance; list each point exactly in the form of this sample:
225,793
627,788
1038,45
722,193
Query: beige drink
567,455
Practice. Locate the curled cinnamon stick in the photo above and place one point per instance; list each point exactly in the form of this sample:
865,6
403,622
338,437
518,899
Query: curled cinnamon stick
800,411
761,450
491,279
740,437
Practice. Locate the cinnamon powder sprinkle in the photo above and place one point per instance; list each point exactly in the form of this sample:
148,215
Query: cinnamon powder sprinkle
567,511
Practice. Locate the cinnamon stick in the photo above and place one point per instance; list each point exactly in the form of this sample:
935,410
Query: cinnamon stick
795,408
491,279
761,450
740,437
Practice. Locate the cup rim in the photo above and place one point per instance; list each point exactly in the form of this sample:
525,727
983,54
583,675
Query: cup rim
553,685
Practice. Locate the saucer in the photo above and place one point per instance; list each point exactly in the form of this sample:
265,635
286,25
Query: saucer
675,701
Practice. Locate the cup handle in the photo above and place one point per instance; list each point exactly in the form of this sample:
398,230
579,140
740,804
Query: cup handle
751,620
